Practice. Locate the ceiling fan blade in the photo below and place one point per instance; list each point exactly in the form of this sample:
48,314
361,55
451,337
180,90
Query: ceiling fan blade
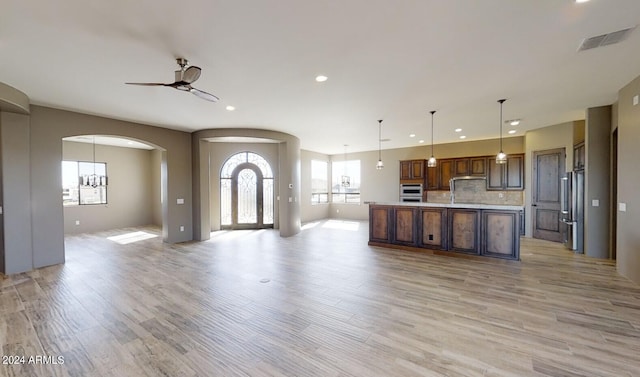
191,74
204,95
146,83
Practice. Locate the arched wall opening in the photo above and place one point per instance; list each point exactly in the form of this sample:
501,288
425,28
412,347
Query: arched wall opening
129,193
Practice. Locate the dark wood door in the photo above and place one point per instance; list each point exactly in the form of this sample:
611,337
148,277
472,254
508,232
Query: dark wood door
548,169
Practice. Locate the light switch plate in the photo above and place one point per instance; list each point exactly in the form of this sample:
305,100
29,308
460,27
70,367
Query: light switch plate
180,201
635,100
622,207
595,203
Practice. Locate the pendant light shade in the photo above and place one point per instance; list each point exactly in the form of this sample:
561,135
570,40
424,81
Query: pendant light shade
380,165
501,157
432,160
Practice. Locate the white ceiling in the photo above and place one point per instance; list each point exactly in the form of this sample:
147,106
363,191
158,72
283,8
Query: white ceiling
391,60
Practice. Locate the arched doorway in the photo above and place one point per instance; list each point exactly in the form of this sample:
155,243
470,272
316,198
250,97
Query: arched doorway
246,192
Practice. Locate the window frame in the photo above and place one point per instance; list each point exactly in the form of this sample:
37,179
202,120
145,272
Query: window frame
350,195
78,184
320,196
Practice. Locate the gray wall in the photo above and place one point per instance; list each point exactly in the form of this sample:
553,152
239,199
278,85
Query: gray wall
16,201
156,187
628,240
130,201
597,179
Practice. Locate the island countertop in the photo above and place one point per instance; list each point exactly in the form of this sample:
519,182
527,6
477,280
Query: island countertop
449,205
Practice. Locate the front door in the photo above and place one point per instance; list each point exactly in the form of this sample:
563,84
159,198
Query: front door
548,169
246,197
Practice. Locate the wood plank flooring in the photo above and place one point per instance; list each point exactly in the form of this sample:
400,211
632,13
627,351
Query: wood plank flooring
321,303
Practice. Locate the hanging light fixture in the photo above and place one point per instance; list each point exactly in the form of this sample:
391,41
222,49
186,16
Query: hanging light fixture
345,179
501,157
93,180
432,160
379,165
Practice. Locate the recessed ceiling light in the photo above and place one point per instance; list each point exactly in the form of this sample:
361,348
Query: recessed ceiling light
421,141
321,78
458,130
512,131
230,108
514,122
463,137
412,135
581,1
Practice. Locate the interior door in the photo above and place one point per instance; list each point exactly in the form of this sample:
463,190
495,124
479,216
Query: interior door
548,169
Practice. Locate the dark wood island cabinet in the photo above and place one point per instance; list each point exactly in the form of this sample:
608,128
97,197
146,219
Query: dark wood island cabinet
452,229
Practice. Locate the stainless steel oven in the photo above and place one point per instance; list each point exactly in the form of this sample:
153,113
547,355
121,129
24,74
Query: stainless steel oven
411,192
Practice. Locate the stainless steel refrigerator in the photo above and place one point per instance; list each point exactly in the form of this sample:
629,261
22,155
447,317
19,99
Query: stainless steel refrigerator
572,210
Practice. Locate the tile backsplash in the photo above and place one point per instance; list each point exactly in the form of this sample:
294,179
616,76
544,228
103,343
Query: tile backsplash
474,191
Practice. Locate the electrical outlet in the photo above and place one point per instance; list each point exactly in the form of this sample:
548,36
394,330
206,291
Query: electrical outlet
182,228
635,100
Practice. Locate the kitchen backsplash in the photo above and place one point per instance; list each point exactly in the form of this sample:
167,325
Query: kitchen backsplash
474,191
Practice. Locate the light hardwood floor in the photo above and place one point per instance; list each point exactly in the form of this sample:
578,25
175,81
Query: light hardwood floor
332,306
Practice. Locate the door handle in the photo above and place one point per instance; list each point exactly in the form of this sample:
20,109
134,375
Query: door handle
534,205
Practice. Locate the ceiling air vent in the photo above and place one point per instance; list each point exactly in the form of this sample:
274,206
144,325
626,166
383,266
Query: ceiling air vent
605,39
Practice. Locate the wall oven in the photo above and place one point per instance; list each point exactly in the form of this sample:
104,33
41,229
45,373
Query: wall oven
411,192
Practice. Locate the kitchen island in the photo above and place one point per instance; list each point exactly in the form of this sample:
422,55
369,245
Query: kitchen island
482,230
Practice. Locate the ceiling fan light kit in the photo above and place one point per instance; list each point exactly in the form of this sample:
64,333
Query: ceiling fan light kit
184,77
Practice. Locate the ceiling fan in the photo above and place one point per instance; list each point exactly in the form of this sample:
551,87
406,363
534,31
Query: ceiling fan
184,78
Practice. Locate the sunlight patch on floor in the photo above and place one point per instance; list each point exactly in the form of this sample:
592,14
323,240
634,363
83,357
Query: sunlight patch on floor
310,225
132,237
230,234
341,224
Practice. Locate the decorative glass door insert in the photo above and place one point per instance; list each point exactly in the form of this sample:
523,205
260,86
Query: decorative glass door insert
246,192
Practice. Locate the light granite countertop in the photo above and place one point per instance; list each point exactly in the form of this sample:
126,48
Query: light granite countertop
449,205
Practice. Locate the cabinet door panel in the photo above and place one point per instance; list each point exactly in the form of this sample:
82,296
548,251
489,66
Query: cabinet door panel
446,173
495,174
433,231
405,225
461,167
405,170
432,178
514,179
464,232
417,169
478,166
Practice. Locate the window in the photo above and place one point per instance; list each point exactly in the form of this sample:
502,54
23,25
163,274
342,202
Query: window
319,182
345,181
84,183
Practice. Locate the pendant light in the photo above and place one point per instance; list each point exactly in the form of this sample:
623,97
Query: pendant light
501,157
379,165
432,160
345,179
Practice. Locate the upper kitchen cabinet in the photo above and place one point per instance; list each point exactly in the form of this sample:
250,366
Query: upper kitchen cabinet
461,167
447,171
412,171
478,166
433,182
578,156
509,176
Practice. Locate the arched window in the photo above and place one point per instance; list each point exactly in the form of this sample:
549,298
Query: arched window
246,192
